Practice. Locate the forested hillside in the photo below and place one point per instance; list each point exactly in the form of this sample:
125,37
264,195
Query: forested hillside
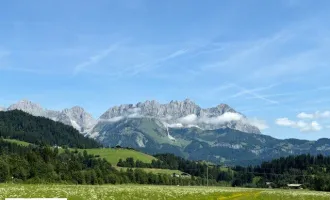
34,164
39,130
312,172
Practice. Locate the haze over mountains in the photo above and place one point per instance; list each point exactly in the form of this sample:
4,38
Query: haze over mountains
219,134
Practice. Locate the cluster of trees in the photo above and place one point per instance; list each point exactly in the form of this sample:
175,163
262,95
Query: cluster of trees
313,172
170,161
44,164
41,131
36,164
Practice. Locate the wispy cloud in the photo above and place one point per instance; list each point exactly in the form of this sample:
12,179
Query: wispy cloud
156,63
28,70
246,53
321,88
259,89
4,53
254,94
95,59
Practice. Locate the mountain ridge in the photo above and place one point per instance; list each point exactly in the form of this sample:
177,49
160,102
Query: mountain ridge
76,116
173,114
219,134
183,114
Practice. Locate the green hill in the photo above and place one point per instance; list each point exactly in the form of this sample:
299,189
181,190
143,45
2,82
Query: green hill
39,130
113,155
22,143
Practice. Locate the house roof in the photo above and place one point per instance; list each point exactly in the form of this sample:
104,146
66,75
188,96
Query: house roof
294,185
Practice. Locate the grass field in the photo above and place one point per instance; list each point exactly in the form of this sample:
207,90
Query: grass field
144,192
113,155
17,142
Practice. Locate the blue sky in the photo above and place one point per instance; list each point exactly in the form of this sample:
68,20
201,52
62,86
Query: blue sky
267,59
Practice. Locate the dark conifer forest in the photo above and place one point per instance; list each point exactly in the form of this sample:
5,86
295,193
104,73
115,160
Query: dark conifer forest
39,130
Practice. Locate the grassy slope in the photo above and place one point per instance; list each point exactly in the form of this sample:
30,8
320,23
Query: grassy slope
17,142
113,156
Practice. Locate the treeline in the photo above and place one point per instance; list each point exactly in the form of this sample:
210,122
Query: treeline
34,164
170,161
313,172
41,131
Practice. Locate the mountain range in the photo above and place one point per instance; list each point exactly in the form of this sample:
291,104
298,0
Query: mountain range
75,116
218,134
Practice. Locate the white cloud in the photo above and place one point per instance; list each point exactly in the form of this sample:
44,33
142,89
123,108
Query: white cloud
316,115
115,119
189,119
304,115
134,115
284,122
176,125
224,118
314,126
260,124
192,120
301,125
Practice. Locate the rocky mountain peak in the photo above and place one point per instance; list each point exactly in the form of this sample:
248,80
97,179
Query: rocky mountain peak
75,116
184,112
29,107
78,118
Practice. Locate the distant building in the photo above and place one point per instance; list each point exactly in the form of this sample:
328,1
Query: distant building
295,186
185,175
270,184
182,175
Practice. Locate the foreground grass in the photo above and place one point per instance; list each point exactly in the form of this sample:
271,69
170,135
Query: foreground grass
145,192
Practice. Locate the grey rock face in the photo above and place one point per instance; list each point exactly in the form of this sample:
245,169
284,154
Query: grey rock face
184,112
29,107
76,116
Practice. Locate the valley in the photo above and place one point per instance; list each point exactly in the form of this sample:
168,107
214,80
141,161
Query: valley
219,134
